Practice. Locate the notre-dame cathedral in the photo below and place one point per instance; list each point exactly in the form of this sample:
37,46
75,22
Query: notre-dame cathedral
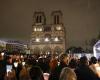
47,38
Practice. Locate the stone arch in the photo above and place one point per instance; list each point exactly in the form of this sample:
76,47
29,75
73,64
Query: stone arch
47,35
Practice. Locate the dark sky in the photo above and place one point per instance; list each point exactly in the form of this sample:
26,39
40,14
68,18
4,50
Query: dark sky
81,18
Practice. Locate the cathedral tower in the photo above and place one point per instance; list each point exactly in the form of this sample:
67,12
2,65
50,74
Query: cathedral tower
47,38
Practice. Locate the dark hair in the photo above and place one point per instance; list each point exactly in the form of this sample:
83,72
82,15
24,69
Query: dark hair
83,60
73,63
99,59
93,60
36,73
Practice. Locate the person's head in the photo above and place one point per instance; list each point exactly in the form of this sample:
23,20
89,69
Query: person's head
93,60
99,59
72,63
64,58
36,73
9,59
84,60
67,74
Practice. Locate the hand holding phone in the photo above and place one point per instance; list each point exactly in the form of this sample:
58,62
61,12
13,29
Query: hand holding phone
8,69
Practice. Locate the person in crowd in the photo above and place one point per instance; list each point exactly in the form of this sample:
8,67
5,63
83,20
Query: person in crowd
67,74
10,75
53,64
73,63
9,60
24,74
98,70
46,65
36,73
54,75
93,62
99,61
83,72
2,67
41,63
18,69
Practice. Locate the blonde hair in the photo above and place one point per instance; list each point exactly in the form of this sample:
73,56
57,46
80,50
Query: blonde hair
67,74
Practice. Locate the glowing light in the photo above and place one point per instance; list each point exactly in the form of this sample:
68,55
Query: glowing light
35,29
48,53
37,40
56,39
98,48
2,53
58,63
21,56
45,56
40,29
36,60
58,28
23,63
15,64
40,57
46,39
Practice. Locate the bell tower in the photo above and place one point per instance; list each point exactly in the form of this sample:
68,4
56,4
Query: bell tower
47,38
58,30
39,18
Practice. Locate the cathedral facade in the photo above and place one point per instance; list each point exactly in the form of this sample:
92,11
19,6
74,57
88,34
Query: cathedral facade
47,38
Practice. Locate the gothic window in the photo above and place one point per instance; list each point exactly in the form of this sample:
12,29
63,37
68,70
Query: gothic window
40,19
37,18
47,36
47,28
56,19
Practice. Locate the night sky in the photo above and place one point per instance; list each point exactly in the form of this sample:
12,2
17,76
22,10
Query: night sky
81,18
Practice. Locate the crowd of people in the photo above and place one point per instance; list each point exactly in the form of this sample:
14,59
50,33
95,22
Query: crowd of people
49,67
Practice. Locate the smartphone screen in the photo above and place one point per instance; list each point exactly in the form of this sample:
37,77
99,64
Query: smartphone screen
8,68
23,63
46,76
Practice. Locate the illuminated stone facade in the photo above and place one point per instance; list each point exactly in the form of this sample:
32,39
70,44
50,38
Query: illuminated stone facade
2,45
13,45
47,38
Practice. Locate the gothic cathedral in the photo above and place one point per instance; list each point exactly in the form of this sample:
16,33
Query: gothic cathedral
47,38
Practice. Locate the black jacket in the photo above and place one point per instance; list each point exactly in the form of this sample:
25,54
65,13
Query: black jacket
54,75
83,72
